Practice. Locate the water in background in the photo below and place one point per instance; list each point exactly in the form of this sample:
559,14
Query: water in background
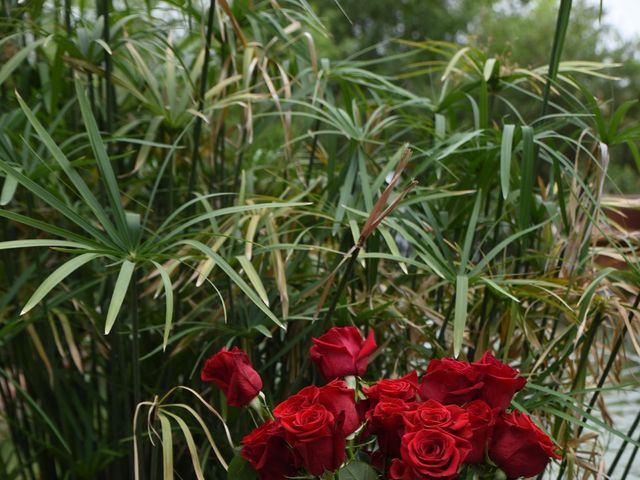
623,407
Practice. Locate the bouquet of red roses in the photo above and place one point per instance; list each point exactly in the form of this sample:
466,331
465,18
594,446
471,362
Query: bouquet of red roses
451,422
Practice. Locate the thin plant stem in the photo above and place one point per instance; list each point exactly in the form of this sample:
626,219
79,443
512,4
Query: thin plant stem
195,155
623,447
328,317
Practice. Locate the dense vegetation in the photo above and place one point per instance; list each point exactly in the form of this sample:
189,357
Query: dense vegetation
178,177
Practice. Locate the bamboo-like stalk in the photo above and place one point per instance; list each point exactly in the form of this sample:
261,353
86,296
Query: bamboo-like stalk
195,155
135,358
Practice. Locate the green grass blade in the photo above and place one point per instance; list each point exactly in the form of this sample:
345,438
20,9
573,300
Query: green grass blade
254,278
56,277
500,246
119,292
191,445
220,212
222,263
75,178
37,409
14,62
168,291
460,314
40,243
54,202
102,159
167,447
506,149
8,190
556,50
468,238
527,179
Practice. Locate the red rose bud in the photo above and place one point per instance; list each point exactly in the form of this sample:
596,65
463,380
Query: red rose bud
341,352
450,381
429,454
233,373
405,388
266,449
318,438
481,419
500,381
519,447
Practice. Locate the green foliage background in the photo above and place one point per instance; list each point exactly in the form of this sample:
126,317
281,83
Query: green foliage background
182,176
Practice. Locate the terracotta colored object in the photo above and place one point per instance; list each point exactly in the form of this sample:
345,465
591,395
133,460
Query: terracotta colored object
623,214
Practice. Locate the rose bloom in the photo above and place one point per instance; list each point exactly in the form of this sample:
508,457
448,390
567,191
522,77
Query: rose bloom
386,421
433,415
233,373
340,400
405,388
500,381
519,447
266,449
318,438
335,396
450,381
429,454
481,420
341,352
292,405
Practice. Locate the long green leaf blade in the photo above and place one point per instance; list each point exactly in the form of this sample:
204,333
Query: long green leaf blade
468,238
102,159
37,409
8,190
54,202
119,292
254,278
40,243
168,292
167,448
75,178
526,177
14,62
237,279
460,314
56,277
506,149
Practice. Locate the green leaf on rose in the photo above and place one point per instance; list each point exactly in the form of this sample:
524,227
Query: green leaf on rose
357,471
241,469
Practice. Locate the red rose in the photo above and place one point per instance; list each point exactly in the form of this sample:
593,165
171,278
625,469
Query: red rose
342,351
340,400
292,405
500,381
386,421
481,420
233,373
318,437
266,449
429,454
335,396
450,381
405,388
519,447
433,415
